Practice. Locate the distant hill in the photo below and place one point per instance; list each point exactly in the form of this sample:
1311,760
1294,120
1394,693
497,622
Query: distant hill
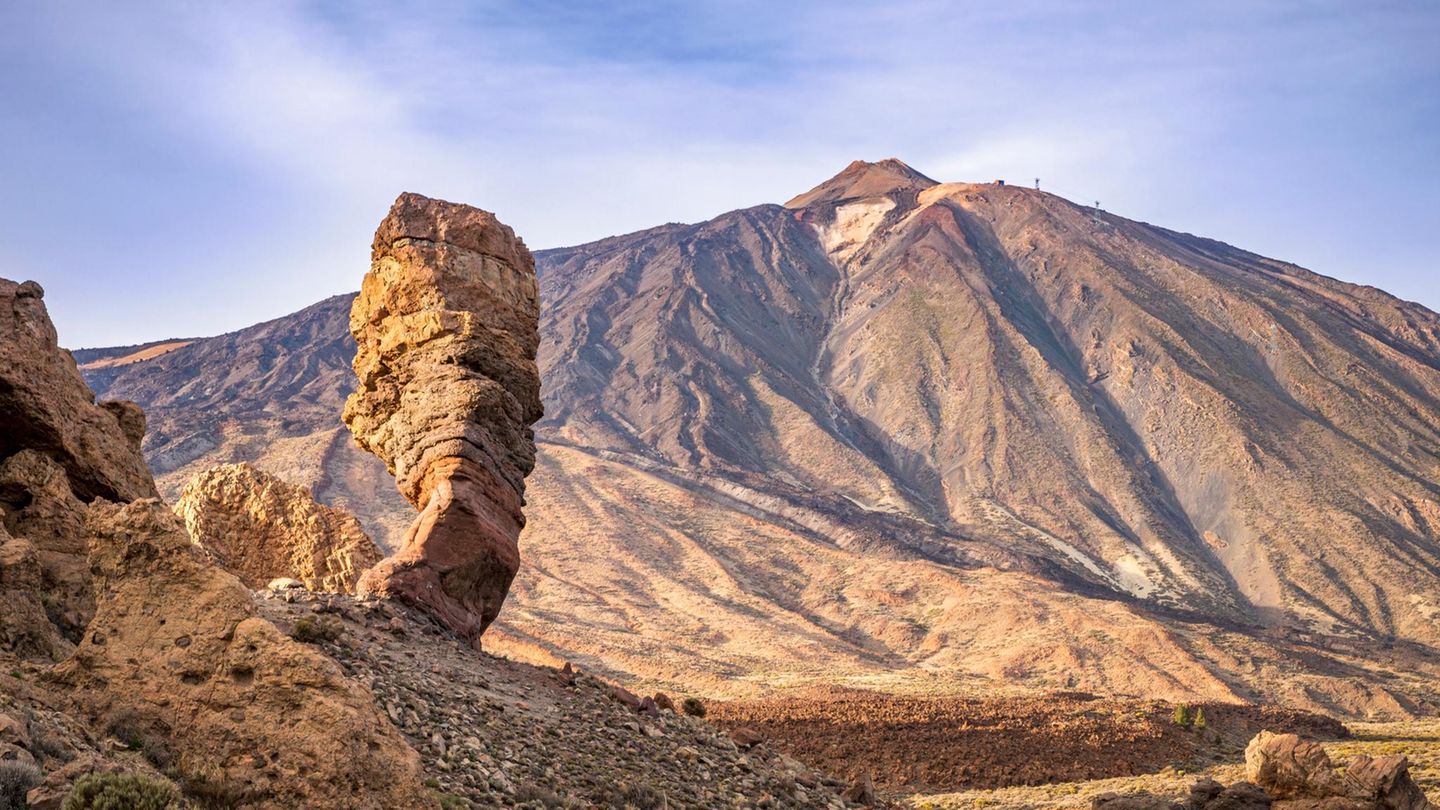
924,437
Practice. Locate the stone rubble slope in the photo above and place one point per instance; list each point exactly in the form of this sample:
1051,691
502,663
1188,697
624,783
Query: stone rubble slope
499,733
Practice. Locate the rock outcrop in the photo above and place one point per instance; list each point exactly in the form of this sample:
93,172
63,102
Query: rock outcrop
1295,770
177,652
46,406
448,387
260,528
59,450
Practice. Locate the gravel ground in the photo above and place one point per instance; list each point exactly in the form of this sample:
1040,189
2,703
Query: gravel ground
497,733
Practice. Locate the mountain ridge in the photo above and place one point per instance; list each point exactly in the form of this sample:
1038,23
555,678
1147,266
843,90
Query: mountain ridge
977,384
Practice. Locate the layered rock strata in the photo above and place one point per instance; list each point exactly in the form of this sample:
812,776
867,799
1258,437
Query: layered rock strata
447,389
260,528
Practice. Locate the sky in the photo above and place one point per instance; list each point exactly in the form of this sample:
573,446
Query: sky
184,169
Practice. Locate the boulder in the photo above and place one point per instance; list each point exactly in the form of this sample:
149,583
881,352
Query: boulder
446,326
625,698
46,406
747,736
260,528
1385,781
1289,767
177,649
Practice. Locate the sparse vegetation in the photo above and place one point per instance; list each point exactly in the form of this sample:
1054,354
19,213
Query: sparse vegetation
530,793
317,629
48,746
693,707
132,730
633,796
1198,722
449,801
206,793
1181,717
128,728
121,791
16,779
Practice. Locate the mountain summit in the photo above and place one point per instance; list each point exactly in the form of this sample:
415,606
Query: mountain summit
861,179
932,436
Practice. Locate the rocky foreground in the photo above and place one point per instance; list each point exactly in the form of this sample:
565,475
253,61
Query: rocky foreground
140,671
498,733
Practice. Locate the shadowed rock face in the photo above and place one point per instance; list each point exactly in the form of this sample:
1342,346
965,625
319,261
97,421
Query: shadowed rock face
446,330
59,450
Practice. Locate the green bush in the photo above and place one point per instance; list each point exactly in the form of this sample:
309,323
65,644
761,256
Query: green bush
693,707
121,791
1181,717
1198,722
315,629
16,779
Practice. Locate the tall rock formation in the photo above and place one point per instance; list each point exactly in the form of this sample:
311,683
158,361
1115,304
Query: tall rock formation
260,528
448,387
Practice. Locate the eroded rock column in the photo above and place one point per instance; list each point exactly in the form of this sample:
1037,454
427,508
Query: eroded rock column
446,322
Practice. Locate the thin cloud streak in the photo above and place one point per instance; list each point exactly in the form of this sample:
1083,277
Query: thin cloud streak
233,159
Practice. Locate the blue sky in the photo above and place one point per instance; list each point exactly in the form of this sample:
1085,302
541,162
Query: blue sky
177,169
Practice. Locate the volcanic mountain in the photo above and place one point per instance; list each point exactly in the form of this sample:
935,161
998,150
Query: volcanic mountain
923,437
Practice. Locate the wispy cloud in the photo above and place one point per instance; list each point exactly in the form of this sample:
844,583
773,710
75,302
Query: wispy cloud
225,162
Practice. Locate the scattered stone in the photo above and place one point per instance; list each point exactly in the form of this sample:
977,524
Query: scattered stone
746,736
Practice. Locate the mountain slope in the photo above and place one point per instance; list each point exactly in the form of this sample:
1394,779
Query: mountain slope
1162,415
926,436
